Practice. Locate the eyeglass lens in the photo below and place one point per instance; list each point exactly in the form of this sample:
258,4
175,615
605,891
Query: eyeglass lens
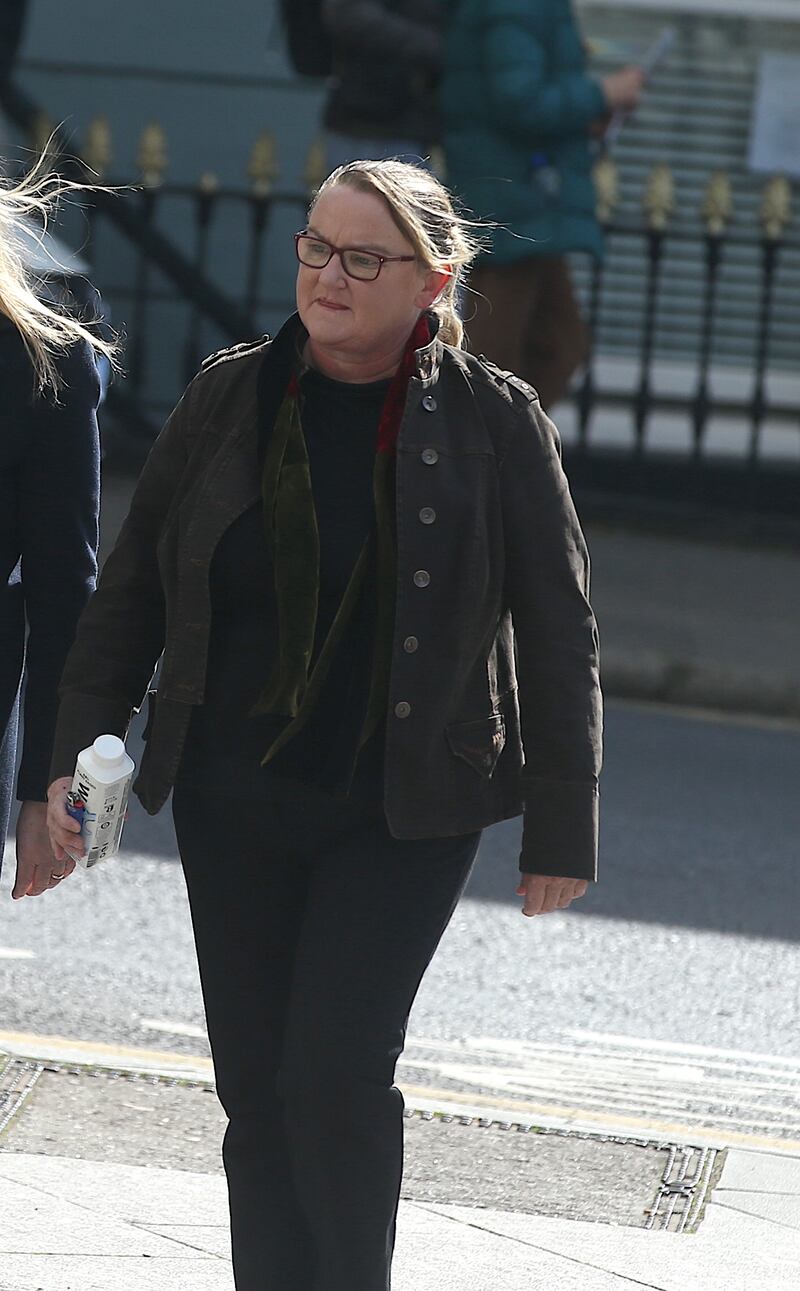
358,264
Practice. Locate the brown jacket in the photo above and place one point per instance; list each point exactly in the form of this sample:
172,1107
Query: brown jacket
486,535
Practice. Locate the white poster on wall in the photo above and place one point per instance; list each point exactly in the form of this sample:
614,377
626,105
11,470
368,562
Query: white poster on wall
775,124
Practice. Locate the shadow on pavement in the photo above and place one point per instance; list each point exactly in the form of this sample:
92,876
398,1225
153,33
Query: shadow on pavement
700,827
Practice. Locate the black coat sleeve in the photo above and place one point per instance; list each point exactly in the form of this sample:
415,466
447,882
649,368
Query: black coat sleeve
59,487
547,590
121,633
377,30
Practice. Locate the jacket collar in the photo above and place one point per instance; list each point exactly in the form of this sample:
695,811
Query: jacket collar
429,357
289,341
288,344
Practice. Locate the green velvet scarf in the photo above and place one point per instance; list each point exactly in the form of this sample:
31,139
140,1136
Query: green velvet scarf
290,522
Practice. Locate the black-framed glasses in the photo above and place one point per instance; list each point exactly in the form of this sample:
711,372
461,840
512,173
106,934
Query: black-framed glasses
315,253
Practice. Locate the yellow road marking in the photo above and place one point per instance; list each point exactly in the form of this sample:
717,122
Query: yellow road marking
92,1051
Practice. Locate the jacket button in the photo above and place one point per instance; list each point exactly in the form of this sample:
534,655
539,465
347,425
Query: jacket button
422,578
427,515
430,456
410,645
429,403
402,709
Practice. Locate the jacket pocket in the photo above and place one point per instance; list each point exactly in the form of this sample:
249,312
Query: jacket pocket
479,743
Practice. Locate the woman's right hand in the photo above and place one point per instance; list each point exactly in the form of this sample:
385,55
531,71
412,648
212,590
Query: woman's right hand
64,831
623,89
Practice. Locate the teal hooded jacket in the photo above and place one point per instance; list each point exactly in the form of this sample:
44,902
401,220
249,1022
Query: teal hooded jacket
518,103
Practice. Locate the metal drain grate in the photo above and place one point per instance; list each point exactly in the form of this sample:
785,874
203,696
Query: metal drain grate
17,1078
686,1184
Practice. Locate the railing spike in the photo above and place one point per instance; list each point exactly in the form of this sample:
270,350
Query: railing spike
209,183
659,197
316,166
263,167
152,158
776,207
717,208
606,182
97,152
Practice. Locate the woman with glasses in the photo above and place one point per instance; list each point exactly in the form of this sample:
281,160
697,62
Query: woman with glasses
336,541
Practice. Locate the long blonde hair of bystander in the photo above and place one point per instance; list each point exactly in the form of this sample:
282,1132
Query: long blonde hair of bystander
46,329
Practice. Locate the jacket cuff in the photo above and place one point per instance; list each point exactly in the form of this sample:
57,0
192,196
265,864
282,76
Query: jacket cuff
31,787
81,718
560,830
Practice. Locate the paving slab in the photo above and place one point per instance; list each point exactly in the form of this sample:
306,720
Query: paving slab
436,1253
782,1209
88,1273
730,1252
213,1239
760,1172
52,1221
133,1194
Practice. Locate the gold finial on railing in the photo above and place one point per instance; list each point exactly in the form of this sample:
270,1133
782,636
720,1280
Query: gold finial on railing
209,183
717,207
41,135
263,169
316,165
97,149
776,207
659,197
152,157
606,183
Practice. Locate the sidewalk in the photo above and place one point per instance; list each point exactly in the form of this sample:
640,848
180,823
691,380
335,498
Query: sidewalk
75,1224
681,621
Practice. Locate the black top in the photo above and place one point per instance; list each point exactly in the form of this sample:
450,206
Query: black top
340,424
49,496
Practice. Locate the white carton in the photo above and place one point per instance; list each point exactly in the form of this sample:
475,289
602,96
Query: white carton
99,797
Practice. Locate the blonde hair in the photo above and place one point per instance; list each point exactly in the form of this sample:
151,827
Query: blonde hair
426,215
47,330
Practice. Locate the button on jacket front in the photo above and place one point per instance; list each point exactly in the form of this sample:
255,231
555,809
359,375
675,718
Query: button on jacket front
491,719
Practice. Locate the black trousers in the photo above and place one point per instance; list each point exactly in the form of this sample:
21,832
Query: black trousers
313,929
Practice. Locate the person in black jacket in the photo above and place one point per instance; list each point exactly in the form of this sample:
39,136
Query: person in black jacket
12,26
387,59
49,499
354,549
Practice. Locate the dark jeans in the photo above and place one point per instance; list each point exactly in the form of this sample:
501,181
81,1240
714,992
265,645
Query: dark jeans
313,929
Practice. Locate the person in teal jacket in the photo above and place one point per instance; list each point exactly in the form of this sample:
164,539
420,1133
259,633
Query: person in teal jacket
519,109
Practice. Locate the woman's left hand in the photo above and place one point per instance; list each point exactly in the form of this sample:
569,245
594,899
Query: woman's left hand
37,868
543,893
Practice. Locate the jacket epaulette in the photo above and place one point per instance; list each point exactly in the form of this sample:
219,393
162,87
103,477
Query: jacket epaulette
509,378
234,352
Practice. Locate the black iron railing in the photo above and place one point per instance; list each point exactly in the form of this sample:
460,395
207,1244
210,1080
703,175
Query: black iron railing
208,265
